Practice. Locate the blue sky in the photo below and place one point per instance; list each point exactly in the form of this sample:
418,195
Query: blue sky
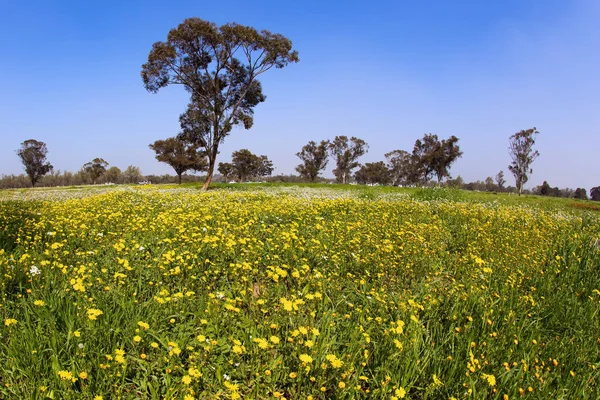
386,72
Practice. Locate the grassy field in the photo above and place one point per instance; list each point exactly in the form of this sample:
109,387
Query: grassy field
297,292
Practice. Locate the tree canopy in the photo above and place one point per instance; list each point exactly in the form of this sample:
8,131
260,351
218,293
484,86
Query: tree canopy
33,155
522,154
181,155
95,168
314,159
245,164
219,67
374,173
346,153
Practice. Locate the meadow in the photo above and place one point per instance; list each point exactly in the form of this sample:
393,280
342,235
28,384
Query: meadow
297,292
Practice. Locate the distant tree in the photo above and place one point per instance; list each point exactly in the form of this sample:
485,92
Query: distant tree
264,166
314,159
113,175
500,181
581,193
489,184
219,67
374,173
95,169
132,174
595,193
33,155
181,155
523,155
244,164
346,154
402,168
433,156
456,183
226,169
545,189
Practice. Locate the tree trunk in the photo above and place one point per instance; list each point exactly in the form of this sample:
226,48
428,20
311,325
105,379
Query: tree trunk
179,179
212,159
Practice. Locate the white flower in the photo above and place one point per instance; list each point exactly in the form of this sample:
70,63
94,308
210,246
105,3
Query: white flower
34,270
80,345
226,377
142,248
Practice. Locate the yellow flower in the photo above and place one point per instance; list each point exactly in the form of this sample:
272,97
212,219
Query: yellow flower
305,358
143,325
10,322
274,339
335,362
39,303
341,385
137,339
77,334
400,392
93,313
186,379
293,375
83,375
491,379
66,376
154,345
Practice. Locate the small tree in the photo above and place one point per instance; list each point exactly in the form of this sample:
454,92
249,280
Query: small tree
374,173
113,175
245,164
431,156
404,168
489,184
33,155
182,156
346,154
500,181
95,169
595,193
522,154
581,193
314,159
132,174
219,67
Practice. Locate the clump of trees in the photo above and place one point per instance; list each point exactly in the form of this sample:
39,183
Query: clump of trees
244,164
346,153
33,155
314,159
219,67
95,169
430,157
180,154
376,173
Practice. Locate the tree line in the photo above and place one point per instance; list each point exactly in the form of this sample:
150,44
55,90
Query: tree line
219,67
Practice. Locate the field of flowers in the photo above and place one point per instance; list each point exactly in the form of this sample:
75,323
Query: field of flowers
182,294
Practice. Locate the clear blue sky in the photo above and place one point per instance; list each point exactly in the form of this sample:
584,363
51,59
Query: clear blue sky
387,72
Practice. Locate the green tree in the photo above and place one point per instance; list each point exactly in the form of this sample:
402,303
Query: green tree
581,193
182,156
132,174
95,169
314,159
403,168
523,155
489,184
595,193
346,153
374,173
33,155
434,157
244,164
219,67
500,181
113,175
